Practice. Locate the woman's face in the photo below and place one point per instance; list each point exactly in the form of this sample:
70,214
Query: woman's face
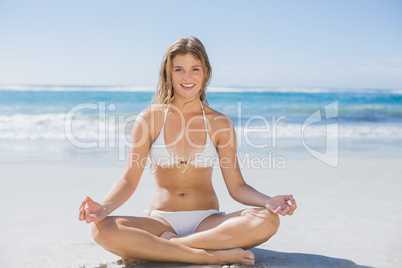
187,76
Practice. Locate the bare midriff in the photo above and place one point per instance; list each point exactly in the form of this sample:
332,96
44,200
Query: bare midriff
183,187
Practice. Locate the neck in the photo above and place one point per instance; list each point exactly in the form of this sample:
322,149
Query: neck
188,106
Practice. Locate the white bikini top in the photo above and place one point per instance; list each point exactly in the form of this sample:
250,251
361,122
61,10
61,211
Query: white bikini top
160,156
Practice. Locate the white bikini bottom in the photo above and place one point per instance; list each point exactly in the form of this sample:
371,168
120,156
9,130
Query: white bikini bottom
184,222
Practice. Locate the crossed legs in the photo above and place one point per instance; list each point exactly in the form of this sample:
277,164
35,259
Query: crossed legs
242,229
139,238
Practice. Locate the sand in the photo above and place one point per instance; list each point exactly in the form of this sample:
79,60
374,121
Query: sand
348,216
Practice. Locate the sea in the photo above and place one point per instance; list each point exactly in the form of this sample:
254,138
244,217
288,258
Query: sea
93,123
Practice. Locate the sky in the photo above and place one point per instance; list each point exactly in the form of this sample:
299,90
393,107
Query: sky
266,43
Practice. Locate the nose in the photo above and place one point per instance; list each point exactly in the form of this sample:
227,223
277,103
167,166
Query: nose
186,75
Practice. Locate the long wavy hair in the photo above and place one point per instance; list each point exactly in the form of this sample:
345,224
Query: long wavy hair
165,93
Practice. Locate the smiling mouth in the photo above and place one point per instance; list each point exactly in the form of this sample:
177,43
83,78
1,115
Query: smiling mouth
187,86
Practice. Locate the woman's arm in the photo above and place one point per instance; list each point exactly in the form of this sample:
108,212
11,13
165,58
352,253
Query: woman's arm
124,187
238,189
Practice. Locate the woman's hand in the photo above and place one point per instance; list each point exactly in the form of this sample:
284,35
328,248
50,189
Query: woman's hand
91,211
280,204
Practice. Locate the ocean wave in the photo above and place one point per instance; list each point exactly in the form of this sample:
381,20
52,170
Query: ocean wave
283,130
55,126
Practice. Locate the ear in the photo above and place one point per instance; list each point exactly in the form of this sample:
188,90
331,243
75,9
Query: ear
205,72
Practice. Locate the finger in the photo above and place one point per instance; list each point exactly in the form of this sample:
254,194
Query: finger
88,217
292,208
85,202
285,212
290,213
81,216
277,210
292,200
90,202
95,219
289,198
294,204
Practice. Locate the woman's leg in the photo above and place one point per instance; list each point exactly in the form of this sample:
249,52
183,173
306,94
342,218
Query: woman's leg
242,229
138,238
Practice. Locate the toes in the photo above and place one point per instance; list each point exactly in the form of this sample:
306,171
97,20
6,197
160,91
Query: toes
248,261
250,255
249,258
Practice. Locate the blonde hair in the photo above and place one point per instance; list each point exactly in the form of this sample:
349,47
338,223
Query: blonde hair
165,93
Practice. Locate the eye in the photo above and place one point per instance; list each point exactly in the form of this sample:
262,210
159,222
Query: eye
177,70
196,69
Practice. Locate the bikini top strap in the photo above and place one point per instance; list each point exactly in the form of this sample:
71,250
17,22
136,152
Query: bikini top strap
203,113
205,119
164,118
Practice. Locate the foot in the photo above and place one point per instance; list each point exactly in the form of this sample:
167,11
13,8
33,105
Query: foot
234,255
168,235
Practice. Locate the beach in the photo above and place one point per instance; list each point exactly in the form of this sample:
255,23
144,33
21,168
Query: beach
312,90
337,151
346,216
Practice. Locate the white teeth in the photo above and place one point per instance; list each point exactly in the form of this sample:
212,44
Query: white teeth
187,85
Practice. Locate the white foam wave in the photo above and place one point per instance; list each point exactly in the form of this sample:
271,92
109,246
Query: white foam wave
378,131
49,126
396,91
52,126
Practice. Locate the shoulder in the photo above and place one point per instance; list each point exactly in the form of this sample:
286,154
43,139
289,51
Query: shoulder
153,113
221,127
216,119
152,119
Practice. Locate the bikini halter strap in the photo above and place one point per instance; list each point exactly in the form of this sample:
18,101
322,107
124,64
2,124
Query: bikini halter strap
203,113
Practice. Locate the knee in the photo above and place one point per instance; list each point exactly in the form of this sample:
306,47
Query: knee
103,232
264,224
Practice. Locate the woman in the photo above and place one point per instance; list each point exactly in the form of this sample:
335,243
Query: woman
183,137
